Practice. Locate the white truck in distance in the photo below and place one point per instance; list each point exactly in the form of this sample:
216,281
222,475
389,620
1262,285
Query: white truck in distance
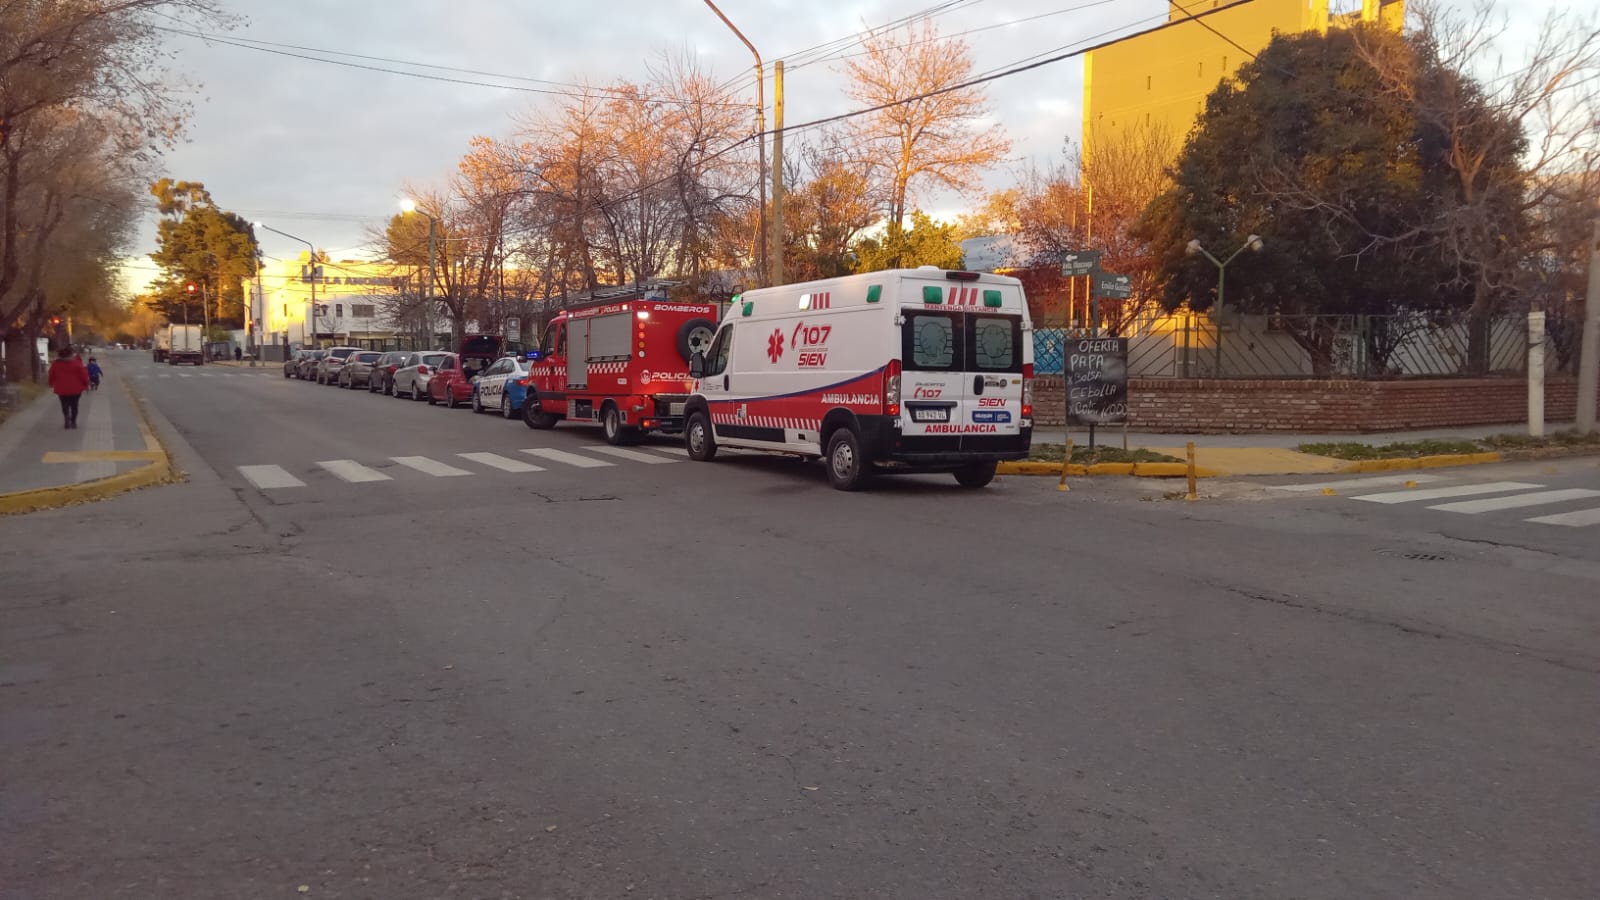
912,370
185,343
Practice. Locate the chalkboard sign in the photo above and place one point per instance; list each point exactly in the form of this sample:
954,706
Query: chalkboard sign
1096,375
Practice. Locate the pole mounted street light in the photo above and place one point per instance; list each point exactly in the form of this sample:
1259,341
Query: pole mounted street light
408,205
761,145
1253,242
311,320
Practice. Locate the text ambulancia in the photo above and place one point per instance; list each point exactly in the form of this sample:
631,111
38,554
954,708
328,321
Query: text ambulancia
919,370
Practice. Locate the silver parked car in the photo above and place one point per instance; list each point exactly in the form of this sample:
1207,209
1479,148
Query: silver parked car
357,368
329,365
307,369
411,379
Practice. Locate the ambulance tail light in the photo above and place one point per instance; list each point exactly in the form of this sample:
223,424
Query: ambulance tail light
1027,390
891,388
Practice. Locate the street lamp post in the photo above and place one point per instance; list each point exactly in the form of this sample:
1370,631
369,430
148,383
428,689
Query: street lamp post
761,146
409,205
1253,242
311,319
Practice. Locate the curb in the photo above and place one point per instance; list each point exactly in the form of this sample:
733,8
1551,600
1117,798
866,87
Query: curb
1137,470
1424,462
158,471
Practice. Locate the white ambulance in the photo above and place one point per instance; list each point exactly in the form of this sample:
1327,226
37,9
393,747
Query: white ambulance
920,370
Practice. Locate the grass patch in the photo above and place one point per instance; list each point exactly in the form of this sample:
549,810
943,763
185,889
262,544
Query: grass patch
1355,450
1568,438
1087,457
23,392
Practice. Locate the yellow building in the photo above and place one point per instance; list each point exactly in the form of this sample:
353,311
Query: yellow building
1160,81
354,302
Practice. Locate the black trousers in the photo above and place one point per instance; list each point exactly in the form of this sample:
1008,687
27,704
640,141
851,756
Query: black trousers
69,406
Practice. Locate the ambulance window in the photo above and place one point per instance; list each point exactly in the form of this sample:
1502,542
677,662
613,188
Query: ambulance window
931,341
721,350
995,341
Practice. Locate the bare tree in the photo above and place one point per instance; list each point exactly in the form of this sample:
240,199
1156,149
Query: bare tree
925,128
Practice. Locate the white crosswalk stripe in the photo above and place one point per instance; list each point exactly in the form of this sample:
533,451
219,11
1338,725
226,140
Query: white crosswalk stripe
350,470
1516,501
1439,493
1349,484
571,459
266,477
634,455
503,463
1576,519
430,466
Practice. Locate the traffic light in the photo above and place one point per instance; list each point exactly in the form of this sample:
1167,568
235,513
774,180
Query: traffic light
55,321
191,287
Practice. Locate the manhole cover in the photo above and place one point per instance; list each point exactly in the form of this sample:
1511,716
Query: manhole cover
1428,557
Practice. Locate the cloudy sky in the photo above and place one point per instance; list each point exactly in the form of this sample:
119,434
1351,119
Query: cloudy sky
323,151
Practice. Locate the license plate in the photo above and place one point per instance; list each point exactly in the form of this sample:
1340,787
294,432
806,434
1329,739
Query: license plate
930,415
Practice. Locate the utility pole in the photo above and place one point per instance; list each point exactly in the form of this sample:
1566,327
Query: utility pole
761,148
1589,354
775,232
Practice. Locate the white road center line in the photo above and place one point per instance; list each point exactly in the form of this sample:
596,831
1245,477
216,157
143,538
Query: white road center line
634,455
503,463
265,477
571,459
1354,483
1460,490
350,470
1539,498
429,466
1572,519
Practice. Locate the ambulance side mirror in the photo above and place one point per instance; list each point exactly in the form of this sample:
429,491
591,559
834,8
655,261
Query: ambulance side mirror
697,365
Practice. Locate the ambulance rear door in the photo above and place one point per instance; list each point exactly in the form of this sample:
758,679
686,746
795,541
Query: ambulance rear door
961,377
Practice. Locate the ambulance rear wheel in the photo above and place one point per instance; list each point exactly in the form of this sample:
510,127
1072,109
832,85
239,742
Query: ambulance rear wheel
848,469
697,437
976,475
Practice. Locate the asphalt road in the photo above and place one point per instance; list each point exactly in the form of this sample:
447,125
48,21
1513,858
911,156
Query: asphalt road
682,680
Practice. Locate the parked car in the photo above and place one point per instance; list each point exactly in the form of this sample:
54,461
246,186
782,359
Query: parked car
382,380
411,379
503,386
450,383
291,365
357,368
308,364
328,367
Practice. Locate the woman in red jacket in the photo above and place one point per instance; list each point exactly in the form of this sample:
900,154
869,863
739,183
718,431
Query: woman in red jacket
69,378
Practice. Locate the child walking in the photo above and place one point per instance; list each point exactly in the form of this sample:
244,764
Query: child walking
94,375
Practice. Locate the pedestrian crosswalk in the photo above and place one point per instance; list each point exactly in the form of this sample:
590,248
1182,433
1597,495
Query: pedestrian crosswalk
268,477
1463,497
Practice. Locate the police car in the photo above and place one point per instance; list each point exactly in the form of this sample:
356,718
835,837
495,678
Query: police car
502,387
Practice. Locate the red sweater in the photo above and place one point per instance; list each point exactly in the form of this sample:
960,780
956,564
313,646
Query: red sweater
69,376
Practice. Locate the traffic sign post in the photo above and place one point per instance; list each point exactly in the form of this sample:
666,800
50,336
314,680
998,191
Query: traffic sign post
1077,263
1112,286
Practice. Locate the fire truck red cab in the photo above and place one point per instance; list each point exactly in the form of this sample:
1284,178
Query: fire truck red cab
623,365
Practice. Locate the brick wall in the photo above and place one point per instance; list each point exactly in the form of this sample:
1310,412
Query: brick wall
1177,405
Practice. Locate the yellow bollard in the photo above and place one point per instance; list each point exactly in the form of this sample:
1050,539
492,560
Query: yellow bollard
1328,492
1192,494
1066,460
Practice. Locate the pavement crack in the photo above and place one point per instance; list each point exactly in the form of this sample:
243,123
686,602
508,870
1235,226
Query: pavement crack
1293,602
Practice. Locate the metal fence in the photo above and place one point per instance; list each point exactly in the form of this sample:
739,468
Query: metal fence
1186,345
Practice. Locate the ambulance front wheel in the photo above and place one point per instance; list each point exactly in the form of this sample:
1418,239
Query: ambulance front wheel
848,468
702,444
976,475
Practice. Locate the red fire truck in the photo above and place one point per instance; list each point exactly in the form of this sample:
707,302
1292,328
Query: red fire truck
623,365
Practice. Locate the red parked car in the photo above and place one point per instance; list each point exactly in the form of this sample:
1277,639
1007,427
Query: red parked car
449,384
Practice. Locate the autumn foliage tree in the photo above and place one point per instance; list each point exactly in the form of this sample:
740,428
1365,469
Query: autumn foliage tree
201,244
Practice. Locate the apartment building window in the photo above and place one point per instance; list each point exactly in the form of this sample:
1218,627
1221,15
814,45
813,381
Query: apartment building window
1147,82
362,310
338,310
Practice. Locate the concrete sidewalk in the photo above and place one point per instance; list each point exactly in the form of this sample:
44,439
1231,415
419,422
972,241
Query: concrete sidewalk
1271,453
111,450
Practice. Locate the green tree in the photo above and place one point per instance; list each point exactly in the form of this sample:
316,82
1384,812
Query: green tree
202,245
1341,177
927,243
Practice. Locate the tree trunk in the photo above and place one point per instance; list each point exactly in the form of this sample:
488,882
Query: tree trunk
1478,327
19,356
